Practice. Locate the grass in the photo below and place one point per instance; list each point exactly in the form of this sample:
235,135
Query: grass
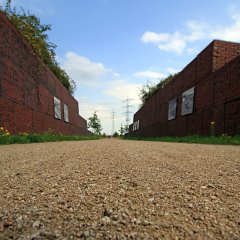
222,140
45,137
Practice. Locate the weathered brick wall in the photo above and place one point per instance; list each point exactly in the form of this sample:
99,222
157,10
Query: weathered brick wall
215,74
28,87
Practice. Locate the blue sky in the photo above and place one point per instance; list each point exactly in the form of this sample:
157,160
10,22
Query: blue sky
112,47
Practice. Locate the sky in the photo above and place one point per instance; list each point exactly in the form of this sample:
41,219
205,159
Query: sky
111,48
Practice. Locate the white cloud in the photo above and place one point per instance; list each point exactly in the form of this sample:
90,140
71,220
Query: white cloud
151,37
84,71
176,45
122,89
193,31
171,70
229,33
150,74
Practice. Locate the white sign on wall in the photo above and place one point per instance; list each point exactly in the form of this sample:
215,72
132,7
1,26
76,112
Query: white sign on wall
187,101
66,114
57,108
172,109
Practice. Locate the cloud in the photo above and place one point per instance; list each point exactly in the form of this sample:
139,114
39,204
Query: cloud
150,74
151,37
178,42
122,89
171,70
84,71
229,33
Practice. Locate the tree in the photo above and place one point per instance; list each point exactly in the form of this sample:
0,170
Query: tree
123,130
148,90
116,135
104,135
95,124
35,34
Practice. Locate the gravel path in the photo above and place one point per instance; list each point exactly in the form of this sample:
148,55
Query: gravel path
116,189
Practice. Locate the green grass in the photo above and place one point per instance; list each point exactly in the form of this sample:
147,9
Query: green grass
222,140
45,137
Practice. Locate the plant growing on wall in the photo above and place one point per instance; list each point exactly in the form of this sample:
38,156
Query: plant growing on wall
35,33
148,90
95,124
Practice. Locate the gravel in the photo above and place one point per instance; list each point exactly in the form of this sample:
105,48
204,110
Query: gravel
117,189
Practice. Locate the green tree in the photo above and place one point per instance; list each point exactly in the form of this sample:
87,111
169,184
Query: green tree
148,90
116,135
104,135
122,130
95,124
35,34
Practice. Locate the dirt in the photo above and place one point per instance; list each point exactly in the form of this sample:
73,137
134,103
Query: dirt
117,189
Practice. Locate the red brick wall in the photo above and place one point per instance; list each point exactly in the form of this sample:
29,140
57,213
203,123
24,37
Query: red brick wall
28,87
215,74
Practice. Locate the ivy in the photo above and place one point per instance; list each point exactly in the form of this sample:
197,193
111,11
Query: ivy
36,35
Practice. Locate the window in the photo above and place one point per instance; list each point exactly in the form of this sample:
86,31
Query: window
172,109
66,115
187,101
137,124
57,108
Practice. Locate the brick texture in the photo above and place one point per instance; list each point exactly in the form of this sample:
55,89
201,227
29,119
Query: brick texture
28,87
215,74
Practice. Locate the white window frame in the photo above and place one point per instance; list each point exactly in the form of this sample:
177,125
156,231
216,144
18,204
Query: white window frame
66,113
57,109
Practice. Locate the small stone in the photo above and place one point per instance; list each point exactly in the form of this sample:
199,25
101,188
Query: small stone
190,205
36,224
151,200
8,224
146,223
1,227
107,212
105,220
203,187
85,234
196,217
210,185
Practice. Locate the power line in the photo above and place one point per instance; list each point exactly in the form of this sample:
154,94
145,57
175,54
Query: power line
127,113
113,116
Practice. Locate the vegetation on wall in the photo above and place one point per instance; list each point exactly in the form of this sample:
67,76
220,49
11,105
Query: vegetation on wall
148,90
35,33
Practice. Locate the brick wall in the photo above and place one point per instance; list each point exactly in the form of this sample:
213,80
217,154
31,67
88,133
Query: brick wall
28,87
215,74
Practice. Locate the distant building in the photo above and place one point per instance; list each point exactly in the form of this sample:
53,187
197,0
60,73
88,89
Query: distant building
203,97
32,99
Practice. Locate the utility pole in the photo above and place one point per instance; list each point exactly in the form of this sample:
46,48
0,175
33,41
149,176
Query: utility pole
113,116
127,106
